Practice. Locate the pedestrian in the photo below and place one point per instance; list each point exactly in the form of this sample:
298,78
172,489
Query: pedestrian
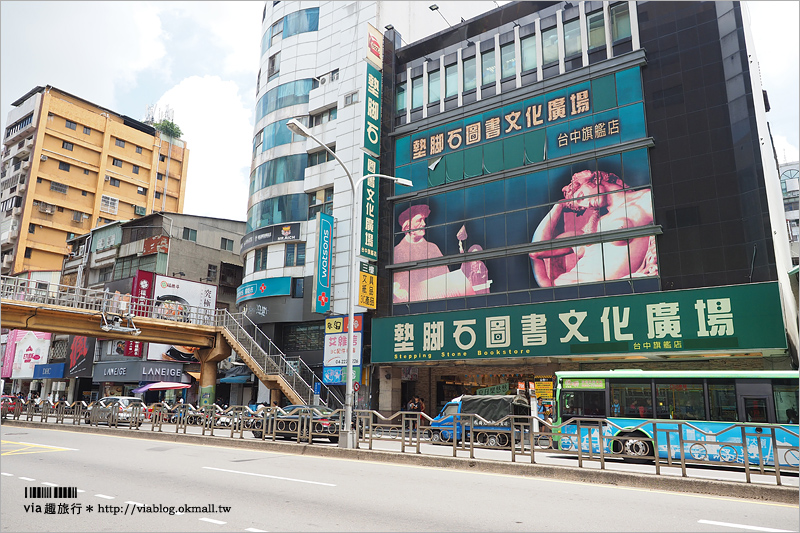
421,409
616,408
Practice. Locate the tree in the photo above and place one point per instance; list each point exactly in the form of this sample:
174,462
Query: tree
168,127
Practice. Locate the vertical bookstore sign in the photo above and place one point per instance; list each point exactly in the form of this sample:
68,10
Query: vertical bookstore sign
322,273
369,209
372,115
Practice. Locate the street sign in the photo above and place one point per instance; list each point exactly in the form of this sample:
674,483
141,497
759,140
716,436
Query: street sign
367,285
356,386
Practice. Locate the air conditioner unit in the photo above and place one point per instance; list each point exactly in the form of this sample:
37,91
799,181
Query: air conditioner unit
108,178
43,157
141,211
323,80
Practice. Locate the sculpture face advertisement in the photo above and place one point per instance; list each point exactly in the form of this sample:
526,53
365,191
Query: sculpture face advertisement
576,218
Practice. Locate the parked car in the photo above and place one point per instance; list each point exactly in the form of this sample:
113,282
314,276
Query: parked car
324,423
124,405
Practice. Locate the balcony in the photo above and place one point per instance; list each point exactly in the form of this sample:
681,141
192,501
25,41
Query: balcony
17,211
24,148
8,260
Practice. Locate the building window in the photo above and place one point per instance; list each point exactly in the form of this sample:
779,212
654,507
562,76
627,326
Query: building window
84,193
109,204
550,46
87,131
211,273
320,201
159,176
508,60
189,234
158,195
277,32
572,38
135,169
322,118
120,143
297,287
434,86
114,182
321,156
58,187
274,65
31,228
63,166
416,92
138,149
28,252
488,72
104,274
295,254
351,99
450,81
142,191
66,146
596,30
335,75
401,98
226,244
162,158
261,260
620,22
86,171
528,49
71,125
116,162
470,78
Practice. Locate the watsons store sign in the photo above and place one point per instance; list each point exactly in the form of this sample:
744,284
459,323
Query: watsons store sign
321,297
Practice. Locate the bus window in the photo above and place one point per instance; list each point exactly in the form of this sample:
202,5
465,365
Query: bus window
785,394
582,403
722,400
635,397
680,401
755,409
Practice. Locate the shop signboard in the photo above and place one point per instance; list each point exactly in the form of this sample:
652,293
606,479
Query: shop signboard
31,350
367,285
321,296
502,388
80,356
335,350
262,288
335,375
136,371
731,319
277,233
372,111
369,209
49,371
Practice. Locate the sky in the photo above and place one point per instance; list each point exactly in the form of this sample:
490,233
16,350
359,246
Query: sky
201,60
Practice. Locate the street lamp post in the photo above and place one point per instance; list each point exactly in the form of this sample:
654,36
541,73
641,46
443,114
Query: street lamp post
347,436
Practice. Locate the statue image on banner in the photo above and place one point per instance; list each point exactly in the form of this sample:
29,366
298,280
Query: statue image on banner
436,282
595,202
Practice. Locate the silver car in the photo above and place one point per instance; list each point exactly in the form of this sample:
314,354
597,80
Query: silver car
122,405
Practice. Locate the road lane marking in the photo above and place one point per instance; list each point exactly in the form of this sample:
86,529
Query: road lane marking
6,474
212,521
271,477
81,490
50,484
740,526
27,478
48,446
254,530
105,497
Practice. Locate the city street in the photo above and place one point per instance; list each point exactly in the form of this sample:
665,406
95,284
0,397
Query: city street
158,486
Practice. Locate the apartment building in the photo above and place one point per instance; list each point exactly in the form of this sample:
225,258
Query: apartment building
69,165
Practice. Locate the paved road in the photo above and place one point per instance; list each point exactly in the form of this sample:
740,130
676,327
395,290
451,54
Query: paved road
268,491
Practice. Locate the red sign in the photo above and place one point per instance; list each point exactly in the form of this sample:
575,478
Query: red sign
159,243
356,386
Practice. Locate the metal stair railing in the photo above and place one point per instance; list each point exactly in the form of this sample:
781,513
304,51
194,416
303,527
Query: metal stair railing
272,360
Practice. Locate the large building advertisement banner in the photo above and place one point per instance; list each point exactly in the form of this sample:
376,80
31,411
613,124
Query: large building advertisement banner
737,318
31,350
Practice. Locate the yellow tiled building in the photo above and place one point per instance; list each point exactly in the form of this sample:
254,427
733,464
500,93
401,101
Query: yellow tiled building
69,165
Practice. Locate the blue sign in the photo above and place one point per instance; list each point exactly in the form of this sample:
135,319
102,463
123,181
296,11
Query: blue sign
264,287
322,273
317,387
335,375
51,371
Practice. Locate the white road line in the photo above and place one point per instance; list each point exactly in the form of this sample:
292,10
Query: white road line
212,521
254,530
105,497
6,474
27,478
135,503
48,483
740,526
47,446
271,477
81,490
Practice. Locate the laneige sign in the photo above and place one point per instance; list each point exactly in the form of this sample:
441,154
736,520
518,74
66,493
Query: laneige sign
135,371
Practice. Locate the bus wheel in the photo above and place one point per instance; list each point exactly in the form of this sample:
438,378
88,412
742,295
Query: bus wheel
636,447
436,437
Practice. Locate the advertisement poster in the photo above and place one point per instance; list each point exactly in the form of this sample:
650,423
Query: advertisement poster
174,297
335,351
15,336
31,351
80,354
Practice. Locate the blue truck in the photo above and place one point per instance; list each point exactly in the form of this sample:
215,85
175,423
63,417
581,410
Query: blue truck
491,424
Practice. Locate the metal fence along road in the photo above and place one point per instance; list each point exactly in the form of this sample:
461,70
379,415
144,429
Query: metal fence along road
528,439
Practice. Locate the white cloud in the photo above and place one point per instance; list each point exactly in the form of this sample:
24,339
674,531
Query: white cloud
216,126
786,151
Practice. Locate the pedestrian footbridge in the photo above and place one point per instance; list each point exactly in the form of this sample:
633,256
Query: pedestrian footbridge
54,308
